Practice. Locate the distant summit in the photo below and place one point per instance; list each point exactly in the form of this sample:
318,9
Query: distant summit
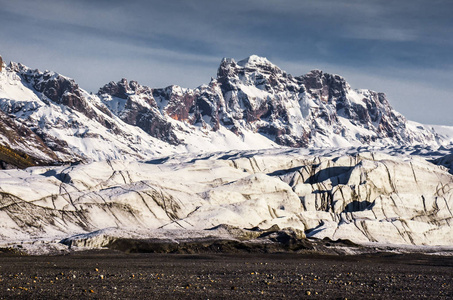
255,60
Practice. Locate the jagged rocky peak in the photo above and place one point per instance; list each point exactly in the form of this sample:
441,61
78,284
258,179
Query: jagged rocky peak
314,109
177,102
58,88
134,97
251,64
117,89
228,67
324,85
252,71
136,105
255,62
123,89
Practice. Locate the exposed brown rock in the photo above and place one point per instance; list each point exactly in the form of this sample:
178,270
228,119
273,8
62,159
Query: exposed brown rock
24,148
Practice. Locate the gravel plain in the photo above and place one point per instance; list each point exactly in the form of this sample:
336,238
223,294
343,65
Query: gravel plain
116,275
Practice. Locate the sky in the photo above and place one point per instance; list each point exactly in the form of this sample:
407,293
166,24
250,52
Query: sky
403,48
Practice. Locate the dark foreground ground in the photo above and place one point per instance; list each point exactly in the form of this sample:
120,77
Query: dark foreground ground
112,275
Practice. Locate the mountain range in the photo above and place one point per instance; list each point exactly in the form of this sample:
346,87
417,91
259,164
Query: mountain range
46,118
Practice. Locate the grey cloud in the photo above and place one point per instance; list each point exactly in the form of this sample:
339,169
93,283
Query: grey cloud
164,41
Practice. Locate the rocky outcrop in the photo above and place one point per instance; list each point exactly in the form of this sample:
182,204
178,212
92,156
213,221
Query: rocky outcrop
369,109
446,161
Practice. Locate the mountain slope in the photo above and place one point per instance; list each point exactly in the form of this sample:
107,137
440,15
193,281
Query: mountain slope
69,121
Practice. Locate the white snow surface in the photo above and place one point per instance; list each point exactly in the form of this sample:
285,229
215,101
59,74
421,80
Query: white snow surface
446,132
366,195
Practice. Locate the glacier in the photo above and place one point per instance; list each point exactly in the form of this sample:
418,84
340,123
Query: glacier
365,196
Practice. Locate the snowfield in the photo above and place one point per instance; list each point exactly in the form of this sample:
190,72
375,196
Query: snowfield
367,195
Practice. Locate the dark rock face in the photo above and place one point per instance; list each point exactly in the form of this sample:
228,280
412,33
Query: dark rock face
180,102
446,161
116,89
325,87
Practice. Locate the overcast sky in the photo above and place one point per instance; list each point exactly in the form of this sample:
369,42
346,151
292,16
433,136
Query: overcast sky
402,47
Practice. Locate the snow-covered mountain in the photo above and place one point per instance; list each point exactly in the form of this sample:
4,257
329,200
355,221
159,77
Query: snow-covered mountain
254,95
252,104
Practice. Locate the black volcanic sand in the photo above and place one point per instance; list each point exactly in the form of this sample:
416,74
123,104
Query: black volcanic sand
115,275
